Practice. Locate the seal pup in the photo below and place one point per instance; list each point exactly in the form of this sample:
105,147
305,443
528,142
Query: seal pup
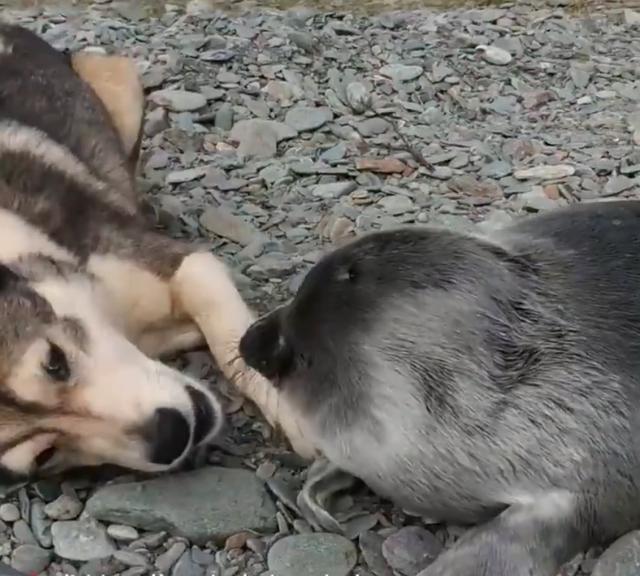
489,380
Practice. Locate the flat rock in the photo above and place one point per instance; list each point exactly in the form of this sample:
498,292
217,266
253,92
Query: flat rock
81,540
259,138
122,533
30,559
64,507
221,222
622,558
549,172
411,549
401,72
313,554
305,118
333,189
178,100
208,503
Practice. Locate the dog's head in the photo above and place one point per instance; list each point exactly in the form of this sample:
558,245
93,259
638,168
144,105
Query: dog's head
75,392
418,310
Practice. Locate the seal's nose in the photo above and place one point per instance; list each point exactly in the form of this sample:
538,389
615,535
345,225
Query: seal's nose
264,348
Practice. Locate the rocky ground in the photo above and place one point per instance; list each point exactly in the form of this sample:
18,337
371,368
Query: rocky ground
277,135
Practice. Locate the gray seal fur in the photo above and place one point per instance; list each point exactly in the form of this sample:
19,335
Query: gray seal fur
489,380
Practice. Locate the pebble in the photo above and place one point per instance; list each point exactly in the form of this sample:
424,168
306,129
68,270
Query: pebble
81,540
410,550
622,558
303,118
545,172
333,189
259,138
122,533
65,507
221,222
312,554
196,504
358,97
401,72
9,512
178,100
30,559
185,566
495,55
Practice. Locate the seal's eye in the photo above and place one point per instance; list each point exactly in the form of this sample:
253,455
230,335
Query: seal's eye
56,365
348,274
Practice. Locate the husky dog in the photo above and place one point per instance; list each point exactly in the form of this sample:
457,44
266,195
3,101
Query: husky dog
485,380
91,296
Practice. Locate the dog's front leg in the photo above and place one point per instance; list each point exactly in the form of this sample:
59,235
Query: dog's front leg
203,288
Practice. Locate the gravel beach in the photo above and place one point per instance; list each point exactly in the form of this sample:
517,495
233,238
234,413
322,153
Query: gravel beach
275,135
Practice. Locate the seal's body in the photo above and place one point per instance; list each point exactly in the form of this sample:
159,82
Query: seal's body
486,380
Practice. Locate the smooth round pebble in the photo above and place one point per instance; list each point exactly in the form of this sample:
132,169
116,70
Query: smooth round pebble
64,507
30,559
9,512
122,533
312,554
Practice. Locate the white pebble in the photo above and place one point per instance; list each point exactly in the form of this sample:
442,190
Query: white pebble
9,512
122,533
495,55
549,172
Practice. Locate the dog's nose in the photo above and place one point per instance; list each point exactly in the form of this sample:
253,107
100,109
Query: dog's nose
168,435
264,348
204,414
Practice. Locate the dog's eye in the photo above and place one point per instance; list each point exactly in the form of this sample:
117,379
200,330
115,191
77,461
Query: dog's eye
56,365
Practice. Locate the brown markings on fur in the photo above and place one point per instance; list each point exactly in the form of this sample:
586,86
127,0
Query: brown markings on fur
116,81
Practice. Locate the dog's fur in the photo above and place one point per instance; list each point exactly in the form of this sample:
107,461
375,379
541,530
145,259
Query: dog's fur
489,380
91,297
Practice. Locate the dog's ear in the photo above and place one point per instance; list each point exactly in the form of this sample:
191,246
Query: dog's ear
116,82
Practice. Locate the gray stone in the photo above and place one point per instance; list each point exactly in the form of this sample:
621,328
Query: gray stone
548,172
185,566
622,558
129,558
259,138
358,97
81,540
30,559
373,126
221,222
208,503
166,560
401,72
411,549
187,175
396,204
40,524
312,555
333,189
178,100
65,507
224,117
23,533
495,55
305,118
9,512
122,533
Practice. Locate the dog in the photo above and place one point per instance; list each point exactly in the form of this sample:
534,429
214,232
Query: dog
92,296
490,380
